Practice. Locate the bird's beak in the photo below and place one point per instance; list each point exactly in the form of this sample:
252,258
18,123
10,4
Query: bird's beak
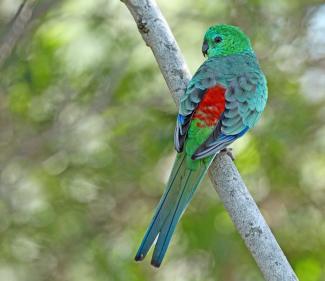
205,48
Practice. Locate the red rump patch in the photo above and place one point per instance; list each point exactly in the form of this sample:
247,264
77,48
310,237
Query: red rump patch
211,106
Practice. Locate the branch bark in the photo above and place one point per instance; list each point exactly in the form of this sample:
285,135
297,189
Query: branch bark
16,30
223,173
27,12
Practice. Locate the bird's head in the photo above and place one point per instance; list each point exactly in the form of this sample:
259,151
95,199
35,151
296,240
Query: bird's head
224,40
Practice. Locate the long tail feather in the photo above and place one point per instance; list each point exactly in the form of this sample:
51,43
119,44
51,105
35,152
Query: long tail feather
178,193
168,228
161,212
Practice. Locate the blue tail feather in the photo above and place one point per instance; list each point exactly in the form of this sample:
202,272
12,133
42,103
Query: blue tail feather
169,226
178,193
160,215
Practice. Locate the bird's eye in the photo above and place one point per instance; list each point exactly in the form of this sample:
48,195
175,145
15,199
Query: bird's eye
218,39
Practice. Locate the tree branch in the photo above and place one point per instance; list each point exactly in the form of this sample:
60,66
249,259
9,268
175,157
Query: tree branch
223,173
27,12
16,30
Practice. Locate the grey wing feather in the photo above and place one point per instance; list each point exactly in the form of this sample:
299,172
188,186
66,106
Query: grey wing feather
245,101
246,97
203,79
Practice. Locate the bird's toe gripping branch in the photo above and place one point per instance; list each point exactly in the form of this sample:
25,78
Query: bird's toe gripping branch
228,151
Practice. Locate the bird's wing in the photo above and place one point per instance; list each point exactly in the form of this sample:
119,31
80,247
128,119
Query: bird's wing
245,97
205,78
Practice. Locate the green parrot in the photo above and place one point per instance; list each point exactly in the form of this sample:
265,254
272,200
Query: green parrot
224,99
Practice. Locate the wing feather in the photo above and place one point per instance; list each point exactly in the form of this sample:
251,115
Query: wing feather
245,96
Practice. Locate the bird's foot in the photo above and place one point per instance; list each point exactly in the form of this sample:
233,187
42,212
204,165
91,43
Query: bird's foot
228,151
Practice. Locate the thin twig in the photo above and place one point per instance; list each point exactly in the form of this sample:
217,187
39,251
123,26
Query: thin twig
21,6
27,12
223,173
16,30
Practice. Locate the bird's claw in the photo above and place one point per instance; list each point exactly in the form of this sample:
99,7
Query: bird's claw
228,151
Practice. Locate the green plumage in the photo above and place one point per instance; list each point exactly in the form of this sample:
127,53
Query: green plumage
196,136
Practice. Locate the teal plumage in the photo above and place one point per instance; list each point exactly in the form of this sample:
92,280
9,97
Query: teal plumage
177,195
224,99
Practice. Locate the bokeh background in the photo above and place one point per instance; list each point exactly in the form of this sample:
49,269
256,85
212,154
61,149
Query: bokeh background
86,143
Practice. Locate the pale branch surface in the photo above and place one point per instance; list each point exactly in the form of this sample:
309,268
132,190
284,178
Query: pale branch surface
223,173
156,33
249,221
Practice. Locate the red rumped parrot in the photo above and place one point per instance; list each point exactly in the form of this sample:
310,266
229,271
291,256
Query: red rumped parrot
224,99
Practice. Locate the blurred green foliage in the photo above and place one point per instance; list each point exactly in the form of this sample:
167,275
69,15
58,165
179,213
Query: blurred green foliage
86,144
